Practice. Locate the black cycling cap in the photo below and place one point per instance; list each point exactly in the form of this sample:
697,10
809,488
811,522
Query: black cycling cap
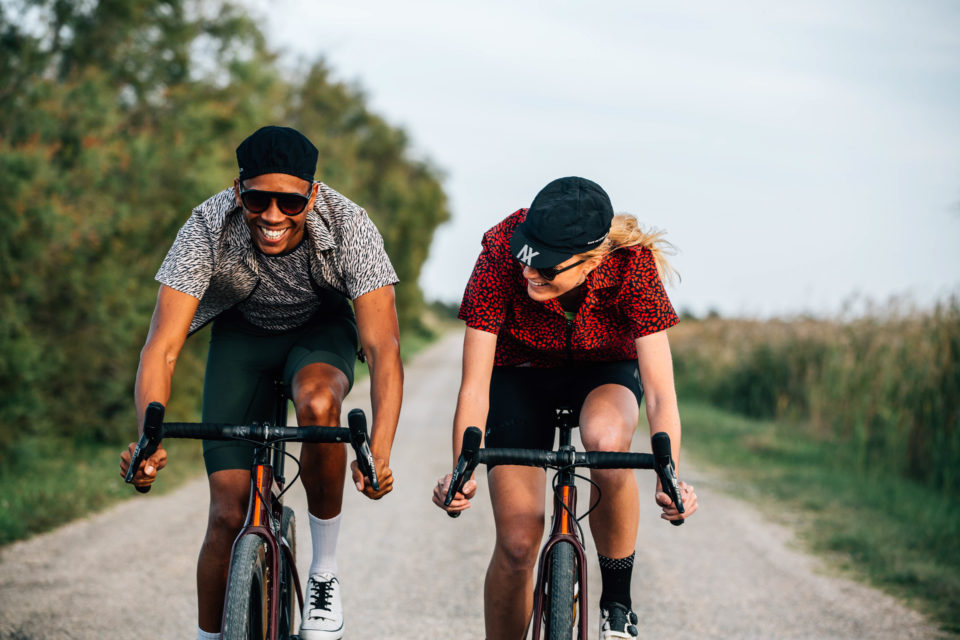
277,150
569,216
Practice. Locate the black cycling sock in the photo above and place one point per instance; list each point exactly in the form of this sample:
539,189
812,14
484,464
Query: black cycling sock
615,574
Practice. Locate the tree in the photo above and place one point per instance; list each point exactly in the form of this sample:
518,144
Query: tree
119,117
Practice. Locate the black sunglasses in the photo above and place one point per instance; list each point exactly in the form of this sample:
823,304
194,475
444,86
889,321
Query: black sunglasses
291,204
549,273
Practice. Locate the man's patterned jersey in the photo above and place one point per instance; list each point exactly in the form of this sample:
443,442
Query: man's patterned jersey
625,300
214,260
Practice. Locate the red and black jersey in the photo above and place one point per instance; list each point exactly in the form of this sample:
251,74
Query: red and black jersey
624,300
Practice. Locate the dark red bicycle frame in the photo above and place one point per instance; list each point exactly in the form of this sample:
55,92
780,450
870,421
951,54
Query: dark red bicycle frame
263,510
565,529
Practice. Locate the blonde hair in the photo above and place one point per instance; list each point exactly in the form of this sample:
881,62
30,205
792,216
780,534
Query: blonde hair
625,231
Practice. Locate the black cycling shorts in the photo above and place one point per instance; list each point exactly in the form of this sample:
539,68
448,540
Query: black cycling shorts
523,399
243,363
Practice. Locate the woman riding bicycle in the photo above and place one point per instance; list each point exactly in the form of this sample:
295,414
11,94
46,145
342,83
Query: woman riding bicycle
565,306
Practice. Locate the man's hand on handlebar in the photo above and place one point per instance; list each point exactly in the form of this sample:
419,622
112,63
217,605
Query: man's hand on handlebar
147,473
461,501
384,477
687,495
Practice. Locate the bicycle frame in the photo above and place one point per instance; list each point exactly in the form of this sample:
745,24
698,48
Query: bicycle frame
564,529
264,515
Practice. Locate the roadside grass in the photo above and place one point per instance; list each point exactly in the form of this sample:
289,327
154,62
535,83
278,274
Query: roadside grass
895,534
49,481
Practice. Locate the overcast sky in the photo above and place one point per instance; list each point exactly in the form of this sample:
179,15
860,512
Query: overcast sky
798,154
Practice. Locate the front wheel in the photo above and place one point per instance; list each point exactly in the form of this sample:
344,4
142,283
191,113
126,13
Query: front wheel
243,616
561,598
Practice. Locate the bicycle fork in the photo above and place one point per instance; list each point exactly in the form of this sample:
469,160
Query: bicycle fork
564,531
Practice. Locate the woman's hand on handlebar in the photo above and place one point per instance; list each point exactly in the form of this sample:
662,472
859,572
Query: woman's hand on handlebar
147,473
384,478
687,495
461,501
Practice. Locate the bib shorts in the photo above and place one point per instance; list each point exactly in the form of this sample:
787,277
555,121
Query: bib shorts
244,361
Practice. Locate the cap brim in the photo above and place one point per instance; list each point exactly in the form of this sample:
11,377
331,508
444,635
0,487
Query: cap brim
533,254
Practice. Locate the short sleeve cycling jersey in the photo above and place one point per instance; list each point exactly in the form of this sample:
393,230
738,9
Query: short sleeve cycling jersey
213,258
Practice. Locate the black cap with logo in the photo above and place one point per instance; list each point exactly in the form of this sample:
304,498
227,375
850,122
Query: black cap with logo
569,216
277,150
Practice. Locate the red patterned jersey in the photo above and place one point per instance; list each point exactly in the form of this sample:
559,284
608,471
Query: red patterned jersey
624,300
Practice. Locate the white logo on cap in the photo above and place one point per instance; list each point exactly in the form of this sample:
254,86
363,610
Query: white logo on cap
527,254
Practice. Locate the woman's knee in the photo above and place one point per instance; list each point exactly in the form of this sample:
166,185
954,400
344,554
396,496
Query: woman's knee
612,434
519,545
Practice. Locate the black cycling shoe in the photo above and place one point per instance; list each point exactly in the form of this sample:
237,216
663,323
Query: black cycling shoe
617,621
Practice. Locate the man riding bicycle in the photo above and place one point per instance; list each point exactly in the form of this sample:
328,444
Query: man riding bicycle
565,306
272,262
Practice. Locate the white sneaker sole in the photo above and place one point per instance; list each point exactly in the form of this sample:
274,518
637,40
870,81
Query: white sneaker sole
321,634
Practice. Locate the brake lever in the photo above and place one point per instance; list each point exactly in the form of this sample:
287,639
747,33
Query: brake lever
148,442
660,442
466,463
357,421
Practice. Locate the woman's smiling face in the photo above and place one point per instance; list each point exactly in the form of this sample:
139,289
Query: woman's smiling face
541,289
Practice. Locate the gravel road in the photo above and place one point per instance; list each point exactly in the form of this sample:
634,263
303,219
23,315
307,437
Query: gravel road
409,571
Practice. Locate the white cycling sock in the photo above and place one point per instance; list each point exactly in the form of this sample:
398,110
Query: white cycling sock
324,534
207,635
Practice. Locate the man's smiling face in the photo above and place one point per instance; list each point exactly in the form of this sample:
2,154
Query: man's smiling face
275,229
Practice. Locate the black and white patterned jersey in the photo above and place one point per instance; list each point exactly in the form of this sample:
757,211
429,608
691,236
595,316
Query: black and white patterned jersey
284,298
214,260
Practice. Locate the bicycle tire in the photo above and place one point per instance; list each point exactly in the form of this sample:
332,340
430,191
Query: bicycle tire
243,618
288,590
561,606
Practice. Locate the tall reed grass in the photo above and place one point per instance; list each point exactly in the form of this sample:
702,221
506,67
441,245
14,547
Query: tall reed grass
885,387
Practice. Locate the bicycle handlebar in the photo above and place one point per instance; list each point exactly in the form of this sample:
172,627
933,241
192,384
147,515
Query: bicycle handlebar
660,460
155,430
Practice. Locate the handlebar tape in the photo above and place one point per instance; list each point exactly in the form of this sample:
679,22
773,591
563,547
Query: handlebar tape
660,442
558,459
148,442
357,422
254,432
467,462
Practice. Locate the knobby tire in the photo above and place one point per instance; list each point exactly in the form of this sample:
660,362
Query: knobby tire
561,606
243,618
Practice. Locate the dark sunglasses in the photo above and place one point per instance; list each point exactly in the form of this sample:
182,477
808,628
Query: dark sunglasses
549,273
256,201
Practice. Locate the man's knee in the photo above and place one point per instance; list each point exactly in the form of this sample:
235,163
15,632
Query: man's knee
319,406
225,520
319,390
229,493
